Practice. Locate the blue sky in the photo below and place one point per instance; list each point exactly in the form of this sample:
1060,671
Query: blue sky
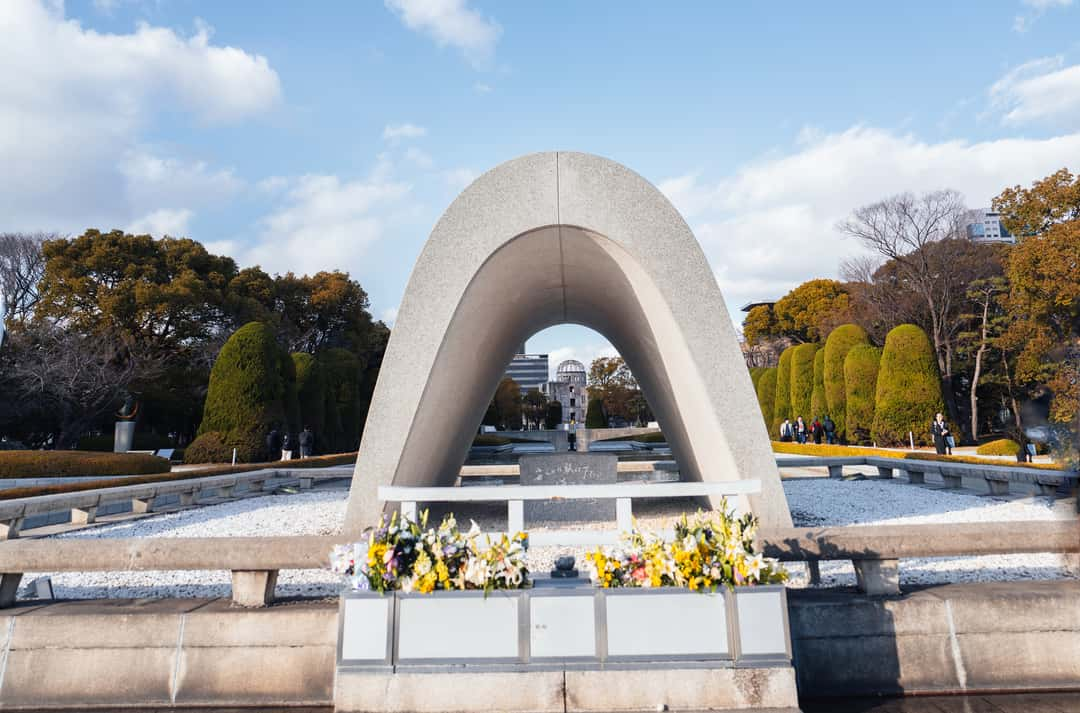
306,136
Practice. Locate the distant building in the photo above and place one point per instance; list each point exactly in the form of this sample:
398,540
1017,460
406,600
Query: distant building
984,226
569,389
529,371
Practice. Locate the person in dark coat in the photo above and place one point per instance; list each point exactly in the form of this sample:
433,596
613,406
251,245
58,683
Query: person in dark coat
800,430
830,430
817,431
940,431
307,442
273,443
286,446
786,431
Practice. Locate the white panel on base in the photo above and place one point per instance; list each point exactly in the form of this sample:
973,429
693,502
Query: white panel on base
444,627
562,626
666,624
364,632
761,622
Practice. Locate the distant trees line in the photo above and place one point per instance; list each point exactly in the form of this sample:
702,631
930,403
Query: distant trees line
1002,321
96,317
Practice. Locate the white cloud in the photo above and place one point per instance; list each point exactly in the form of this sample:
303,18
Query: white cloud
482,88
396,132
418,157
325,223
771,225
453,23
1023,23
389,315
74,101
163,222
585,353
153,180
1040,90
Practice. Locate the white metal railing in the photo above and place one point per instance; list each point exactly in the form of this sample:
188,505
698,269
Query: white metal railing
515,496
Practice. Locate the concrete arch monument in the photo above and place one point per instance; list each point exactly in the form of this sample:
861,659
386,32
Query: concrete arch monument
555,238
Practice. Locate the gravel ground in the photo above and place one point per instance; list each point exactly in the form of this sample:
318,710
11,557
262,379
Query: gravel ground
813,503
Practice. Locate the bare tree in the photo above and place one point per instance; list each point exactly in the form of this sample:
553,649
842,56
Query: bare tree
905,229
75,378
21,268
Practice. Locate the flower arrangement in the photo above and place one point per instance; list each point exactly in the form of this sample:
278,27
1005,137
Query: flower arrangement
411,557
709,550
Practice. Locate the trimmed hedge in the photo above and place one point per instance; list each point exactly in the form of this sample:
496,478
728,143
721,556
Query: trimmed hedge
1000,447
837,346
818,407
755,375
245,399
317,462
829,451
45,464
908,388
650,437
782,400
311,393
343,371
860,391
766,395
802,380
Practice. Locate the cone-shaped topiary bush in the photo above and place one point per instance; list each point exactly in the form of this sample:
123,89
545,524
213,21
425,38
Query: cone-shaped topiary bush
802,380
766,394
840,341
782,401
860,384
311,393
245,398
818,407
908,388
755,375
343,371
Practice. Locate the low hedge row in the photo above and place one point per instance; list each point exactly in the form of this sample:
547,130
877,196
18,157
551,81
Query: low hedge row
1000,447
46,464
837,451
316,462
651,437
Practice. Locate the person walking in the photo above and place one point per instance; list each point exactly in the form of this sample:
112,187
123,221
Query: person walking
800,429
817,430
786,431
307,442
940,431
286,446
830,430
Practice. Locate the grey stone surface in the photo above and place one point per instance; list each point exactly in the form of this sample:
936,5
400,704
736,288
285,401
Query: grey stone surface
124,436
569,469
547,239
458,692
686,689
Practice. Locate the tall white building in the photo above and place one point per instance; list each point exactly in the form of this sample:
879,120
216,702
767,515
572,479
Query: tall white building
984,226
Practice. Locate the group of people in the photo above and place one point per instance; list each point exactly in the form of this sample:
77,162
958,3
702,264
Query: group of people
802,432
281,442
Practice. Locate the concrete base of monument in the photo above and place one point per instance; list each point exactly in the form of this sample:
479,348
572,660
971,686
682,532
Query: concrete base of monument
611,690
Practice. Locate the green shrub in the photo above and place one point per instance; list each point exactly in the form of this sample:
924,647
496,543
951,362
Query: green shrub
245,399
818,407
802,380
827,451
594,416
217,447
554,415
311,393
755,375
1000,447
290,400
837,346
860,391
46,464
766,394
344,372
908,388
782,400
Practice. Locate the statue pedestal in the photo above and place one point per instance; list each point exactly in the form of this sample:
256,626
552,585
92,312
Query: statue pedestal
124,438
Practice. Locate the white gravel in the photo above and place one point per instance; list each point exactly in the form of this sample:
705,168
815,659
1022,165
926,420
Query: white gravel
814,502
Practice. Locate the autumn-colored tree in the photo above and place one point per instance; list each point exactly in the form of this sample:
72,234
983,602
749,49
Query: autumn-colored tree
610,381
534,408
1033,211
807,312
321,310
504,411
759,324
